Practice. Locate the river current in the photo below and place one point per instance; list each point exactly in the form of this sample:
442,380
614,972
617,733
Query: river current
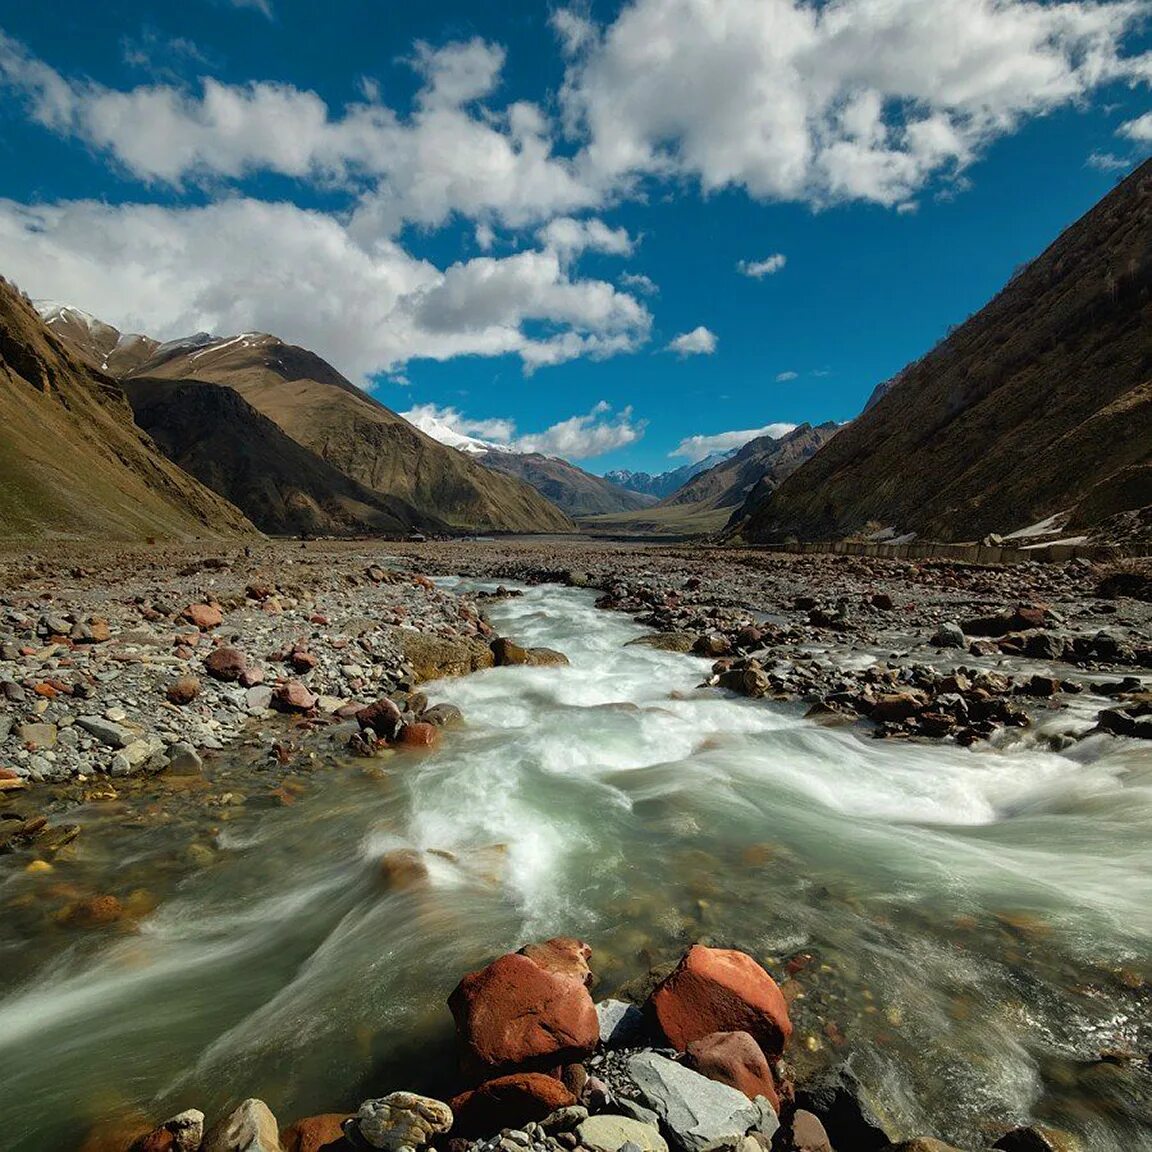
972,928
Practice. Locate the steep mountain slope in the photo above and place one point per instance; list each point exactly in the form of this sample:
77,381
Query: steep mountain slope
1041,397
72,462
577,492
98,344
704,504
323,412
213,433
665,483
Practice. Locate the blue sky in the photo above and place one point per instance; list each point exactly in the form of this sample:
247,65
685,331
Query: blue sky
612,232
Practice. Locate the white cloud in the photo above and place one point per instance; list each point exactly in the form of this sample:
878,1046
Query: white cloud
569,237
1107,162
1139,129
699,342
592,434
638,282
784,377
264,7
242,265
758,269
853,100
698,447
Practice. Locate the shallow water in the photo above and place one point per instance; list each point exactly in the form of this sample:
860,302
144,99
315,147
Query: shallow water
979,920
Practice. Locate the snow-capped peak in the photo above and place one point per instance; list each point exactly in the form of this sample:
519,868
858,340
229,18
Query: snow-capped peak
445,434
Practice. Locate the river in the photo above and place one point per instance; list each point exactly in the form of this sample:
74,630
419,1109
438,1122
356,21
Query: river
979,920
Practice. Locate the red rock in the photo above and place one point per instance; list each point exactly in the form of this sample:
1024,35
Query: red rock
735,1059
184,690
808,1134
227,664
302,660
293,696
897,706
516,1015
251,676
508,1102
204,616
382,716
158,1140
420,735
563,956
719,990
95,910
316,1134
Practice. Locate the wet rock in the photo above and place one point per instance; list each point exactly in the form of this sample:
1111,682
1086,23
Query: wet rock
897,706
184,690
509,1102
225,664
699,1114
514,1014
184,760
293,697
622,1024
665,641
383,717
713,644
611,1133
948,635
182,1133
443,716
317,1134
506,652
562,956
720,990
1041,687
403,868
735,1059
837,1100
204,616
95,911
546,657
750,682
250,1128
1036,1138
924,1144
434,657
401,1120
138,755
420,735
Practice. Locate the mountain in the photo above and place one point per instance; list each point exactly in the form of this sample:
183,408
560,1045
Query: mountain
98,344
1038,401
577,492
665,483
321,411
704,504
214,434
72,462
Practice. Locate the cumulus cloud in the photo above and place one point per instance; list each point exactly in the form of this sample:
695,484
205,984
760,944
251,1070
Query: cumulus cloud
243,264
758,269
638,282
699,342
578,438
1139,129
784,377
569,237
698,447
856,100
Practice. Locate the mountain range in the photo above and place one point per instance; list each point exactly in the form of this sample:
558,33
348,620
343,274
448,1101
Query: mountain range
665,483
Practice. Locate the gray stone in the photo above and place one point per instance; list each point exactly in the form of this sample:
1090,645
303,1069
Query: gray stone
611,1133
6,722
259,698
948,635
635,1111
187,1130
621,1024
699,1114
184,760
250,1128
443,715
135,755
106,731
402,1120
42,735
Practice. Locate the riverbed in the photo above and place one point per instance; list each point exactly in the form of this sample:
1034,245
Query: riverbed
971,927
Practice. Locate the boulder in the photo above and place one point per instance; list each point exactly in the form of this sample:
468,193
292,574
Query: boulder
562,956
226,664
106,731
1035,1138
665,641
622,1024
251,1127
948,635
712,644
505,652
184,690
735,1059
420,735
699,1114
443,716
509,1102
515,1015
897,706
204,616
293,696
317,1134
403,868
720,990
546,657
611,1133
401,1120
808,1134
837,1100
433,657
183,1133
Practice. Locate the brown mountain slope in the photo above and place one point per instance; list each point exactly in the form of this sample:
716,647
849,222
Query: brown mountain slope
1036,400
571,489
322,411
72,462
99,345
213,433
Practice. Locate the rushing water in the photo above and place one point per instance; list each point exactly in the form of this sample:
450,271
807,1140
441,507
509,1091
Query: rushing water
979,920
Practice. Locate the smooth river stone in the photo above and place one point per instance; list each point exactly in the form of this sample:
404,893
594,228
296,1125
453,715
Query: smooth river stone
402,1120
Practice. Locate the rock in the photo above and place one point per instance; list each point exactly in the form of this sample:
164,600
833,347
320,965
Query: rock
433,657
1042,687
106,731
383,717
611,1133
420,735
401,1120
136,755
41,735
516,1015
184,690
635,1111
183,1133
750,682
712,645
621,1024
665,641
204,616
923,1144
250,1128
1036,1139
897,706
948,635
562,956
258,698
576,579
546,657
95,911
735,1059
698,1113
184,760
293,697
403,868
509,1102
226,664
808,1134
317,1134
719,990
506,652
837,1100
443,716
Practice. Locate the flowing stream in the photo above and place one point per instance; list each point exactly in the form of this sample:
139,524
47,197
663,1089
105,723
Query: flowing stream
978,921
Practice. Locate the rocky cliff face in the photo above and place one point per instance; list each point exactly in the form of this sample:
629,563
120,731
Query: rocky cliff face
72,462
1039,399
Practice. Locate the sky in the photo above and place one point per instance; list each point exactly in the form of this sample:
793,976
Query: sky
629,234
